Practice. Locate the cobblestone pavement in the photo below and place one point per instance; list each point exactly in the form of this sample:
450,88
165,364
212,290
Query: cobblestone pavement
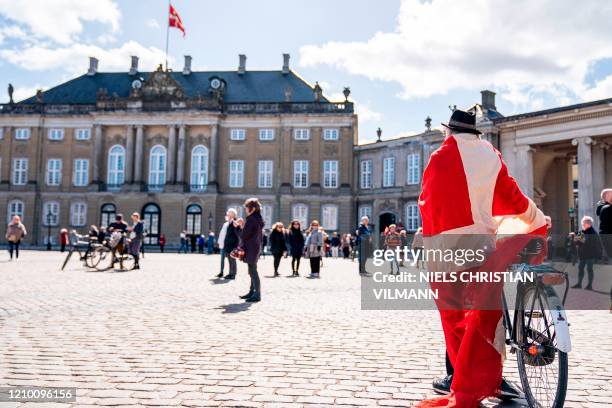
170,335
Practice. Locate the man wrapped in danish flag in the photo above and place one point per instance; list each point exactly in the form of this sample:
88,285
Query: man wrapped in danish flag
467,192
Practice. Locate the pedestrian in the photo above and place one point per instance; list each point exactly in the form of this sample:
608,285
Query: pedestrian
345,245
589,250
570,248
102,235
314,247
278,245
264,245
183,241
193,241
201,243
418,248
117,228
295,240
393,241
136,236
230,242
15,232
363,236
210,243
335,245
251,243
604,212
162,242
404,239
64,239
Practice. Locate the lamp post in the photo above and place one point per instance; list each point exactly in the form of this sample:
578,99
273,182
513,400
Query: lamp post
49,216
210,220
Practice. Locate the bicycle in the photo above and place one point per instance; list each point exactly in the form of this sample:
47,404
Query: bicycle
119,244
76,246
538,333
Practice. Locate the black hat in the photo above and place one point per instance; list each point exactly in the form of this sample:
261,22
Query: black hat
461,121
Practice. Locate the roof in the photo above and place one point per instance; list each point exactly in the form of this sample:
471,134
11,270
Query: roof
554,110
252,86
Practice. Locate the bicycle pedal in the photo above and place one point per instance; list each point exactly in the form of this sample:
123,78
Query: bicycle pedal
534,314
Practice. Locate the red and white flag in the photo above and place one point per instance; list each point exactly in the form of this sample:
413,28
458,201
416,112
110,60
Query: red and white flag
174,20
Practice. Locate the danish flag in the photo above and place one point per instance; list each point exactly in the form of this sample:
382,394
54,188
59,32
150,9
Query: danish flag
174,20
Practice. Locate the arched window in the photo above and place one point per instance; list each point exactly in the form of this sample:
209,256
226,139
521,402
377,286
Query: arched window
157,168
300,212
199,168
194,219
116,166
107,214
15,207
151,215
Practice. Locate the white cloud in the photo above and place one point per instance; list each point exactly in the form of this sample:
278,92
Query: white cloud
152,23
60,20
601,90
523,49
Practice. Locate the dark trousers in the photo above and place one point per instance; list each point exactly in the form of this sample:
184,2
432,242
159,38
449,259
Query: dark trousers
295,263
232,264
589,265
255,289
449,366
364,248
277,259
135,245
315,265
14,246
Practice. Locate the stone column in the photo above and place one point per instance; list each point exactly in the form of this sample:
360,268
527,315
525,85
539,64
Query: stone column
524,172
138,154
97,155
585,177
171,154
129,155
180,159
598,165
214,154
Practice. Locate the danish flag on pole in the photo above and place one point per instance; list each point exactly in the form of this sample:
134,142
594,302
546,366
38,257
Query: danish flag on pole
174,20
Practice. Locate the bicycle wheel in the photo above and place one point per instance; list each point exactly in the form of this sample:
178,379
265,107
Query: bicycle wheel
92,258
127,262
542,366
101,255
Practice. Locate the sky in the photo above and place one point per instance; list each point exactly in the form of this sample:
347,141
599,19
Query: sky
404,60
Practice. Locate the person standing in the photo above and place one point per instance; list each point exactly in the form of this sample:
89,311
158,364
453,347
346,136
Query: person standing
183,241
64,239
570,248
417,248
335,244
230,242
162,242
589,250
14,234
363,237
295,239
393,241
210,243
278,245
222,235
119,226
604,212
251,242
314,247
136,235
346,245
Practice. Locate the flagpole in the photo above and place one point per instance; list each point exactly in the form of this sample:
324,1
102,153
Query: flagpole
167,32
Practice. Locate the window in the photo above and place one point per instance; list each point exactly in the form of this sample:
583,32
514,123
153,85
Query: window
300,212
330,173
329,217
389,172
80,176
54,172
236,175
266,134
237,134
107,214
116,166
22,133
412,216
193,222
157,168
366,173
15,207
300,173
51,213
301,134
151,216
264,179
199,168
330,134
56,134
414,167
266,213
20,172
82,134
78,214
365,211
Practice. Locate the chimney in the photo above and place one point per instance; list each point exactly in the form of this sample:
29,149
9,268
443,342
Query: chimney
134,67
286,64
187,67
488,99
241,64
93,66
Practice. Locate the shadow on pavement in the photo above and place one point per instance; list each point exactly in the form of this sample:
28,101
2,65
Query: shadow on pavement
235,307
220,281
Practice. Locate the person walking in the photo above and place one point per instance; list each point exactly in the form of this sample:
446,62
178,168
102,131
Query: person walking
250,243
278,245
295,239
314,247
183,240
162,242
393,241
136,235
604,212
589,250
363,237
15,232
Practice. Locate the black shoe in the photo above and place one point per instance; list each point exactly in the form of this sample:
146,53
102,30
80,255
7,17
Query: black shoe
588,287
253,299
443,385
220,275
577,286
230,277
248,295
507,391
136,267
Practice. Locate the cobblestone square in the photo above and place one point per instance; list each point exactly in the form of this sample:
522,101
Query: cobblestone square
172,335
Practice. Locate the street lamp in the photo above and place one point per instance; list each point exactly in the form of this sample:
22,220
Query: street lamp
49,216
210,220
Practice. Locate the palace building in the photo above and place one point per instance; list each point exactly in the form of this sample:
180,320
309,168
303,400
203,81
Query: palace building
178,147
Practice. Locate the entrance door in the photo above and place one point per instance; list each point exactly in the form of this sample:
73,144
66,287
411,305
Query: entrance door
151,215
384,220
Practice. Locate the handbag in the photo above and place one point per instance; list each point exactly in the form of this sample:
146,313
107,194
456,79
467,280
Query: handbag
238,253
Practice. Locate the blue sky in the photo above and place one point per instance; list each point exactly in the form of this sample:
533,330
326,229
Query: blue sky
403,59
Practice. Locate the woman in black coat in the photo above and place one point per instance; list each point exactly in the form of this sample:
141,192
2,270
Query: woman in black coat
250,243
295,239
278,246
